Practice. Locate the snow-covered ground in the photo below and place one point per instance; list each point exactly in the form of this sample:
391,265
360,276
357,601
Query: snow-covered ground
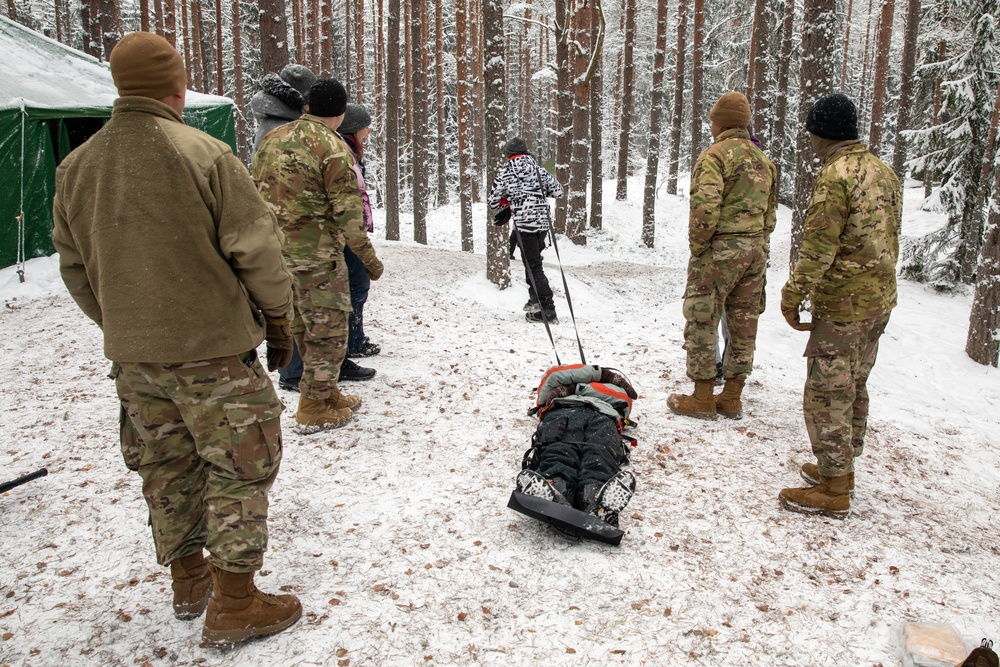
394,531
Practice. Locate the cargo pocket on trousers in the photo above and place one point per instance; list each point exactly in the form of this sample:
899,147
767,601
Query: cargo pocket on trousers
828,374
256,439
699,308
131,443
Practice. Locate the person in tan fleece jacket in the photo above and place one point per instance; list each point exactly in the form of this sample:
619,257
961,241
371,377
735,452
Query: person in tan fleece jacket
164,242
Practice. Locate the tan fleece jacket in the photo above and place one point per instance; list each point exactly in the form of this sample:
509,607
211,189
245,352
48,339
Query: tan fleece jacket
164,241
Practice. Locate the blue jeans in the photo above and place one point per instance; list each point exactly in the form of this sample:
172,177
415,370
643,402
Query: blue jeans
360,284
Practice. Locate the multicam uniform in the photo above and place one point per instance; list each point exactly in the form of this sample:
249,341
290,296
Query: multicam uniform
164,243
733,200
305,172
847,268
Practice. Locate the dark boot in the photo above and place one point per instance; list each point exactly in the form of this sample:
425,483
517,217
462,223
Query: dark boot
239,611
542,315
350,371
728,403
810,473
192,584
610,498
700,404
983,656
829,498
533,483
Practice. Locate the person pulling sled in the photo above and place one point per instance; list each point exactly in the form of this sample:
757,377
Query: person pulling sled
572,475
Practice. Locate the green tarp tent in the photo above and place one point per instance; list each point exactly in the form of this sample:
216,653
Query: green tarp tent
52,98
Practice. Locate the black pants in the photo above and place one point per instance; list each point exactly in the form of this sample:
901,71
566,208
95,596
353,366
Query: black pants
531,245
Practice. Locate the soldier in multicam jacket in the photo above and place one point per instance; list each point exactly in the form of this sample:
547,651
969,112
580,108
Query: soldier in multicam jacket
165,244
847,269
305,172
733,200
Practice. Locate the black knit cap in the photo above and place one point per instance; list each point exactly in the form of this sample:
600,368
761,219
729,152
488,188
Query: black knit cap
327,98
833,117
515,146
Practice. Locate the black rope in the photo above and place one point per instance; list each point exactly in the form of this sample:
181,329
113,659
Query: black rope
534,289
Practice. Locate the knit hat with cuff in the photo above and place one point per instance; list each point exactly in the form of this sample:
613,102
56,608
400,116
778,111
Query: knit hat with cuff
147,65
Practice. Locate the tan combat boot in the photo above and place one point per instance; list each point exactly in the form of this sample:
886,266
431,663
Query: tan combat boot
314,414
830,498
239,611
810,473
728,403
192,584
700,404
338,401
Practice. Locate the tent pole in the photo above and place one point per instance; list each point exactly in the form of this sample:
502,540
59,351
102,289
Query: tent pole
20,217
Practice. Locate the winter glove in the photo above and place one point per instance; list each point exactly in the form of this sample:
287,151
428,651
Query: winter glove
374,270
502,217
278,334
790,303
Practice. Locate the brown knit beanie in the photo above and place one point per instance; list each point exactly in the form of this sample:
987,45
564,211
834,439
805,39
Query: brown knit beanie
732,110
147,65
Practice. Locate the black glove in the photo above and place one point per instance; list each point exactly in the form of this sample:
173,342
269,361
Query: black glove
502,216
278,334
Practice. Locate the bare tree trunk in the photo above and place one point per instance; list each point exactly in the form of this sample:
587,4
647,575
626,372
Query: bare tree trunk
781,101
196,59
359,50
678,110
442,127
866,60
349,21
983,342
881,76
906,81
241,125
697,58
969,249
847,43
392,130
478,94
564,109
12,10
325,45
759,99
169,21
815,80
586,48
309,25
158,10
186,40
94,27
273,35
297,33
419,137
655,118
497,257
219,60
935,116
143,18
380,47
464,116
596,136
627,73
758,39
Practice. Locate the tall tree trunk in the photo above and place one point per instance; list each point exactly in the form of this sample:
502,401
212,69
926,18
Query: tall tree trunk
12,10
297,32
359,50
241,124
815,80
935,116
906,82
196,59
866,68
392,130
419,137
158,11
596,136
655,119
564,109
757,61
677,116
983,342
349,21
442,127
273,35
186,40
697,58
881,76
478,94
169,21
220,63
143,18
627,73
464,117
780,141
94,28
847,43
309,27
497,257
326,36
585,50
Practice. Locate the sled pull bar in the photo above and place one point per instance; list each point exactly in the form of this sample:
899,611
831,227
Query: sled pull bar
7,486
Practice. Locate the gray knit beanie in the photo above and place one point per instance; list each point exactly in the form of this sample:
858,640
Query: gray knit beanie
356,118
298,77
515,146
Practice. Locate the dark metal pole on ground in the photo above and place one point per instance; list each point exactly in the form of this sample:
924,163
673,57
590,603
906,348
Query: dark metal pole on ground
7,486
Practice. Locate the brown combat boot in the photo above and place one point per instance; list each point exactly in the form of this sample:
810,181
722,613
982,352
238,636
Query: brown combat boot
314,414
810,473
192,584
830,498
700,404
239,611
338,400
728,403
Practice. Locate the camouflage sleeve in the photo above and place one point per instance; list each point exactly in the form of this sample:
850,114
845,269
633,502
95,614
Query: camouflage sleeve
74,273
771,216
706,202
346,205
824,223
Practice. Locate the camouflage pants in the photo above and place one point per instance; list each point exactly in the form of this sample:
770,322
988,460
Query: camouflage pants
320,325
728,277
205,437
840,357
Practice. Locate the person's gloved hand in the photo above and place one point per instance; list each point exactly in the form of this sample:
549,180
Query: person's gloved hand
790,302
278,334
374,269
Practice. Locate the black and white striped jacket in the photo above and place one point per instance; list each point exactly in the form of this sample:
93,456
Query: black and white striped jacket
518,183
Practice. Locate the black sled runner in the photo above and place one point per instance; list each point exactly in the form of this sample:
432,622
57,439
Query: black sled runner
566,520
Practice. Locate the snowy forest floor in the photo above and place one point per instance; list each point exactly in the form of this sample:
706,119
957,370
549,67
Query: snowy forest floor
394,530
